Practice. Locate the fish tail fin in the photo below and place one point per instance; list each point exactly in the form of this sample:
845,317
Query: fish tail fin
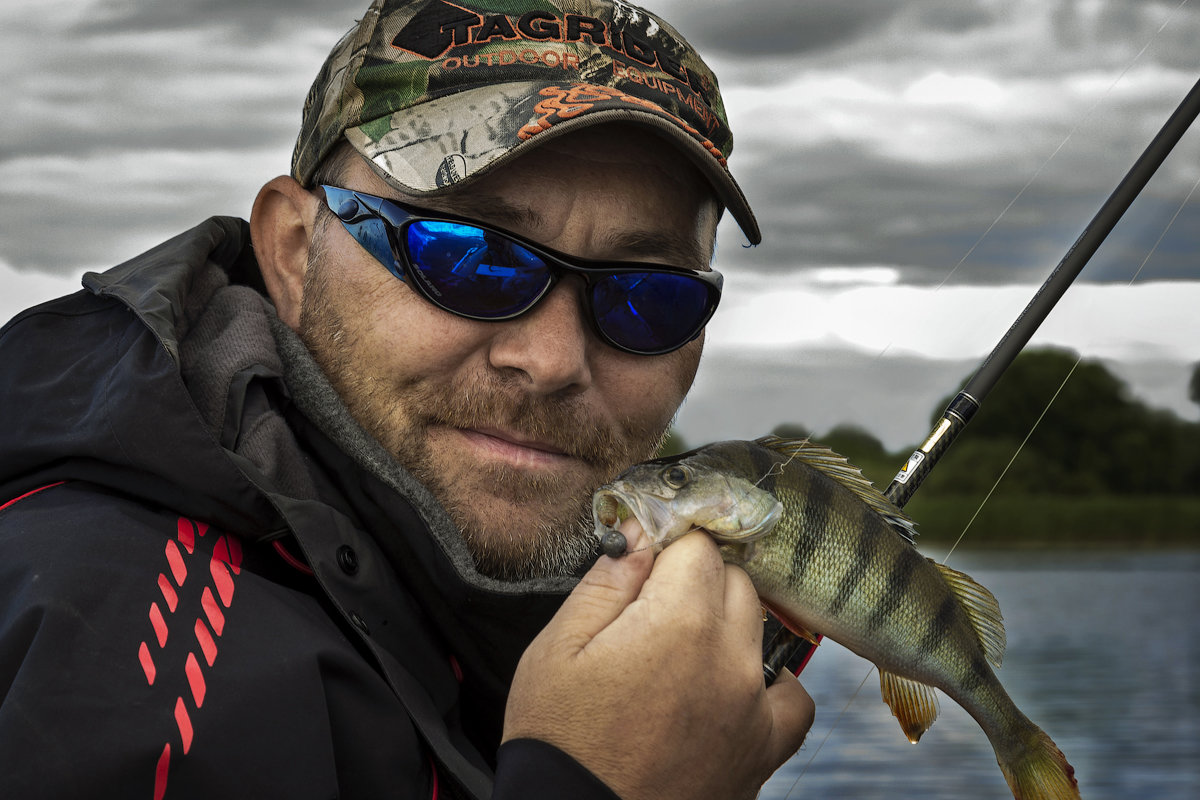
1040,771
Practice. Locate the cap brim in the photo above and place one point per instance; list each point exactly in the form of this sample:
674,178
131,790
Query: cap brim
456,139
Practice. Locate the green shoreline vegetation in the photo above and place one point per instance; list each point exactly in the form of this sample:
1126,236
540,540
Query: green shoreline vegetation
1056,521
1100,470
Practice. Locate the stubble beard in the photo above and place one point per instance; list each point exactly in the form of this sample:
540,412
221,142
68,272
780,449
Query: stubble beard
551,532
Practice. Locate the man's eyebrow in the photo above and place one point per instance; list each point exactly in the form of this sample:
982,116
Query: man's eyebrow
680,251
495,210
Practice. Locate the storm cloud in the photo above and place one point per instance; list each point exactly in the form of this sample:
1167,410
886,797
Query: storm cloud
904,145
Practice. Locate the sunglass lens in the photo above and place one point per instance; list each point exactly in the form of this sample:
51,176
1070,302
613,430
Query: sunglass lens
474,272
651,312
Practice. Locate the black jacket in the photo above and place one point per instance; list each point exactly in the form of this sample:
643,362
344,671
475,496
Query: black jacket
214,584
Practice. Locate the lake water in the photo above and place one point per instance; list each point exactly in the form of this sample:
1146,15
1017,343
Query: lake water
1103,654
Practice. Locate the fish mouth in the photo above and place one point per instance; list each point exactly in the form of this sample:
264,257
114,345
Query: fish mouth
663,523
611,506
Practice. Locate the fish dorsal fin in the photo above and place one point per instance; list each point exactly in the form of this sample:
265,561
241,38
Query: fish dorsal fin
839,468
914,704
982,609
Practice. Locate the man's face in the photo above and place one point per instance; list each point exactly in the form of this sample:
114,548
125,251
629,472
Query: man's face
512,425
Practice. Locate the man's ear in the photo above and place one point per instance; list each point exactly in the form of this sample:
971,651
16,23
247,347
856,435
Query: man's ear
281,228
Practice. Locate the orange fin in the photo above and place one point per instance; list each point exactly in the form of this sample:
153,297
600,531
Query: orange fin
914,704
791,624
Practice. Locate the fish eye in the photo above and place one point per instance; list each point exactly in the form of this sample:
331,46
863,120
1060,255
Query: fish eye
676,476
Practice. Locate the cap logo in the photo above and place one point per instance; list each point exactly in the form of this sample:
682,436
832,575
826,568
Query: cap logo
452,170
439,27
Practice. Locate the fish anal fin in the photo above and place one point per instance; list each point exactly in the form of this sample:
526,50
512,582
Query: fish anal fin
914,704
982,610
793,626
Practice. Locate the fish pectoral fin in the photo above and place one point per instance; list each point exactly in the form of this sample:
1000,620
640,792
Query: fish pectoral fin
793,626
914,704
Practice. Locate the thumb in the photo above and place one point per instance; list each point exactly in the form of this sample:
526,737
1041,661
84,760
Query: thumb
604,591
792,711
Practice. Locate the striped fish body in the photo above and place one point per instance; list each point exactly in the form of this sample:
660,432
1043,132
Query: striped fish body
828,553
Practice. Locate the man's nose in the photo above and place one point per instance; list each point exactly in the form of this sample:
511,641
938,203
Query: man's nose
550,346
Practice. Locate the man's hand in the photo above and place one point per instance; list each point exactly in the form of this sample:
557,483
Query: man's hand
650,675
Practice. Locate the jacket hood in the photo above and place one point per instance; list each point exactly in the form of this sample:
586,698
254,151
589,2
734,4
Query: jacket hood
93,390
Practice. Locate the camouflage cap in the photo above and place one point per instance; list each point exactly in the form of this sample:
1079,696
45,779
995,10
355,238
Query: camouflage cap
433,93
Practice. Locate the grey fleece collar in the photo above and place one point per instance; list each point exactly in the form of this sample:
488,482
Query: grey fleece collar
319,401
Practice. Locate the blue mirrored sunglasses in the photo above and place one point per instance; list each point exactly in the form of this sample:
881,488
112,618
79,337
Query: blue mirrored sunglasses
484,273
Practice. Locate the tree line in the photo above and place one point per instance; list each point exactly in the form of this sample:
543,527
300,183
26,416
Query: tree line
1094,439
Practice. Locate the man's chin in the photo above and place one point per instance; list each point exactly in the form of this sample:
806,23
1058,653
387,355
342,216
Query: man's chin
516,523
524,544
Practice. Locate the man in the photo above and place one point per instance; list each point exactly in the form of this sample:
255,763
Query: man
300,508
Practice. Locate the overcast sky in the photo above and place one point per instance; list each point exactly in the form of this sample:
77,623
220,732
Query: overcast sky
878,141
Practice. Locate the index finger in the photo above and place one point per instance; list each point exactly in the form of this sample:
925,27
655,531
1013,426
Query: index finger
690,568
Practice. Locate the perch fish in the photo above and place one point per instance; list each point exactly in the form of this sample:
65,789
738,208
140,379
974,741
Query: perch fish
828,553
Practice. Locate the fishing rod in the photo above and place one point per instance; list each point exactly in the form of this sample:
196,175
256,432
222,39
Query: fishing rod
783,649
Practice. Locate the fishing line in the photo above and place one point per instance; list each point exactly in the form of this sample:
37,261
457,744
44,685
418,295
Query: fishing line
991,491
1163,235
837,720
1078,360
1085,118
777,465
1004,471
1137,273
651,546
